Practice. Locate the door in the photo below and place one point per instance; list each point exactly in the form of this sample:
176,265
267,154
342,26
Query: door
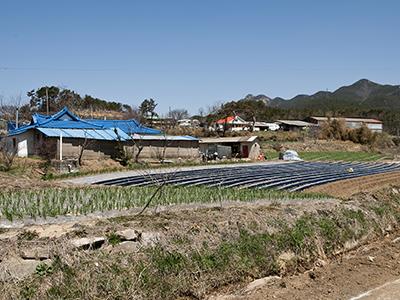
245,151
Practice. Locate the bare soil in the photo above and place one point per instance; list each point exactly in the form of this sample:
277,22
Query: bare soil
346,276
349,187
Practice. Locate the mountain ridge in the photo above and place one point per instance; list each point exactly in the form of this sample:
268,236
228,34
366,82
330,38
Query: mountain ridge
363,94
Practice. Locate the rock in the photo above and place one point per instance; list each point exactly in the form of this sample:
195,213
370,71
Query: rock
396,240
127,246
260,282
224,297
149,238
312,275
88,243
371,258
128,235
284,258
9,235
18,268
35,253
320,263
389,228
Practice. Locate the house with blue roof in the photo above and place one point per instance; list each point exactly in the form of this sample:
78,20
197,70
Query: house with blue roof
62,135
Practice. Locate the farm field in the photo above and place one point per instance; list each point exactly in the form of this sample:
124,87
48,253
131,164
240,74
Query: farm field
53,202
285,176
203,251
209,230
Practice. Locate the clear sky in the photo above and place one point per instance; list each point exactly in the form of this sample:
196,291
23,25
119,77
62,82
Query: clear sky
192,54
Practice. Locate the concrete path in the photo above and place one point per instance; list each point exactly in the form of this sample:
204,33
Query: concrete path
388,291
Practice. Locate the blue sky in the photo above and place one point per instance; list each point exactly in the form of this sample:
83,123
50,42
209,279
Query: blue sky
192,54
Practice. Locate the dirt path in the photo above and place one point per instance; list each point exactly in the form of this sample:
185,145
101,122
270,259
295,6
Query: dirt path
353,275
349,187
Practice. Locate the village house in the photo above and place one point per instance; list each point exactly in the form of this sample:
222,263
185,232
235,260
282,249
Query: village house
188,123
236,123
351,123
295,125
265,126
62,135
232,123
231,147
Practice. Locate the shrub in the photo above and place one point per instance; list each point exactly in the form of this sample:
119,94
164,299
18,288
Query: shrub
336,129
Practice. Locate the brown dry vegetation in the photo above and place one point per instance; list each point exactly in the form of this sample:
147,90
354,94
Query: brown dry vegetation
367,267
349,187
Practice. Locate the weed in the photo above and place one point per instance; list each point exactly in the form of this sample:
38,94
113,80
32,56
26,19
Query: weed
28,291
43,269
329,232
113,239
297,238
28,235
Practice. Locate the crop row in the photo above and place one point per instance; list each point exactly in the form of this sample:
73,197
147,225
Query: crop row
54,202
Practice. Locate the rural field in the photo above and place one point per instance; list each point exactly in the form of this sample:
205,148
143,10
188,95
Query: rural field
187,232
199,150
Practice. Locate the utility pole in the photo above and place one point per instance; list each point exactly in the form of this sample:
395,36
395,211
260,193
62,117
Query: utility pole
61,147
47,100
16,118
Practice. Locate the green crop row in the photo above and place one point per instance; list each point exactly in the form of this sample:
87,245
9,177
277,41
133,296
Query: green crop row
54,202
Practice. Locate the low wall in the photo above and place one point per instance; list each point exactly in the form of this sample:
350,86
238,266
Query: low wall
151,150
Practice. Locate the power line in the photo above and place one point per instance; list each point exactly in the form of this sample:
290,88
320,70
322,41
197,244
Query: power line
4,68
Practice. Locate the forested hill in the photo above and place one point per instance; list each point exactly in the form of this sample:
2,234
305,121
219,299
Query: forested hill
52,99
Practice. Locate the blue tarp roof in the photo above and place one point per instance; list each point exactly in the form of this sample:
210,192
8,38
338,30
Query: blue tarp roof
95,134
65,119
129,126
11,125
165,137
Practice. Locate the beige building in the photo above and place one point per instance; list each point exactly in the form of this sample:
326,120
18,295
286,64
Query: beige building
352,123
232,147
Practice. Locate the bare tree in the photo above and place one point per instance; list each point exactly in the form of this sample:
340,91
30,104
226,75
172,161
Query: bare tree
178,114
138,144
132,112
86,143
7,155
201,112
213,109
9,107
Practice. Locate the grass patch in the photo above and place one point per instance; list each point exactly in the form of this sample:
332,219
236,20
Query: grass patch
54,202
334,156
113,239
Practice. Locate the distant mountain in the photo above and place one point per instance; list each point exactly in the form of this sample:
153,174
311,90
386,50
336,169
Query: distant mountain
266,100
363,94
